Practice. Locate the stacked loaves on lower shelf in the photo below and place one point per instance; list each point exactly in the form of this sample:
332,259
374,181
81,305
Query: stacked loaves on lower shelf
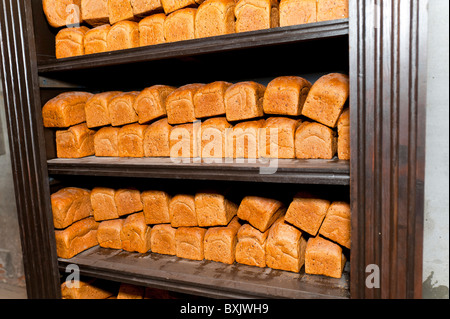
262,232
290,118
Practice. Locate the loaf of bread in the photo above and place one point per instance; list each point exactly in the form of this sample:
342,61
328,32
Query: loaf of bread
220,242
62,13
214,132
285,247
215,17
213,209
190,242
96,39
69,205
326,99
131,140
244,100
251,246
75,142
104,204
96,109
337,225
69,42
314,140
254,15
129,291
174,5
180,104
184,140
285,95
332,9
163,239
182,211
156,207
95,12
121,108
343,144
120,10
307,213
123,35
293,12
324,257
106,142
244,139
150,104
76,238
87,289
156,139
136,234
108,233
142,8
209,99
277,137
260,212
66,109
180,25
128,201
151,30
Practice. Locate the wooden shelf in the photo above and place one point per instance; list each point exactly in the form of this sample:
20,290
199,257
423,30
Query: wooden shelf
205,278
329,172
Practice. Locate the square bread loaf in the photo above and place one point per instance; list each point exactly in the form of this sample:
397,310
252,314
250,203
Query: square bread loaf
156,207
184,140
215,17
254,15
182,211
62,13
307,213
95,40
260,212
136,234
213,209
332,9
75,142
92,288
220,242
120,10
243,140
156,139
337,225
163,239
69,205
214,132
96,109
70,42
123,35
142,8
150,104
277,137
324,257
121,108
128,201
95,12
180,104
108,233
131,140
209,100
314,140
293,12
104,204
106,142
244,100
174,5
190,242
151,30
343,144
180,25
251,246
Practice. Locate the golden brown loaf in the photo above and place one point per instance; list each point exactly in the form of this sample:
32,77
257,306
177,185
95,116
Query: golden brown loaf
332,9
314,140
106,142
244,100
180,25
120,10
337,225
103,203
66,109
163,239
69,205
327,98
343,125
131,140
174,5
70,42
285,95
156,207
95,12
209,100
251,246
96,39
213,209
123,35
136,234
184,140
108,233
190,242
96,109
76,142
86,289
213,137
121,108
151,30
76,238
180,104
260,212
215,17
128,201
285,247
323,257
156,139
150,104
307,213
244,139
293,12
220,242
61,13
129,291
142,8
256,15
182,211
277,137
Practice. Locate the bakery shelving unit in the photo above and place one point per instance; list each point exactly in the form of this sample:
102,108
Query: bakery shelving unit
381,46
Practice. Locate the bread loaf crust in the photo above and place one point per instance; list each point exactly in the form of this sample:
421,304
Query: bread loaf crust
66,109
104,204
213,209
180,25
215,17
322,257
209,100
69,42
182,211
307,214
150,104
96,39
75,142
121,108
69,205
136,234
96,109
76,238
163,239
315,141
141,8
343,144
90,289
108,233
156,139
260,212
337,224
174,5
128,201
180,104
244,100
156,207
58,12
120,10
278,137
332,9
251,246
243,140
123,35
151,30
293,12
213,137
254,15
190,242
184,140
95,12
131,140
106,142
220,242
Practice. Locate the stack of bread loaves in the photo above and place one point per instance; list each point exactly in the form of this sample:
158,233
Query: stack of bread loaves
290,118
123,24
260,232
